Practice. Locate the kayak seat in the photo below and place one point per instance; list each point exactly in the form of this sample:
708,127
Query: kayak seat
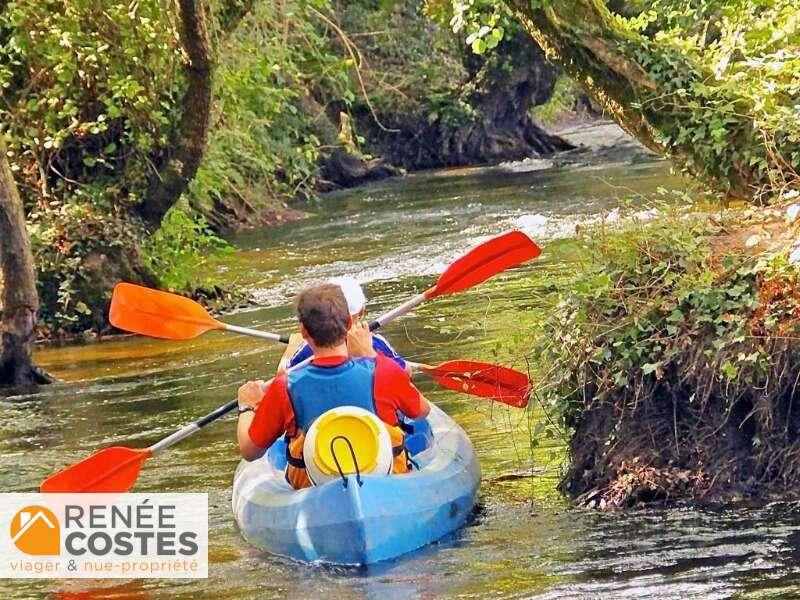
419,435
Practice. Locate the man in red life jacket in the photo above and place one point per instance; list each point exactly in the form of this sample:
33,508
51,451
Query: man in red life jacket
291,403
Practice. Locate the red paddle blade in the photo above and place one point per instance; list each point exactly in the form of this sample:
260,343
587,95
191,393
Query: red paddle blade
483,379
112,469
480,263
158,314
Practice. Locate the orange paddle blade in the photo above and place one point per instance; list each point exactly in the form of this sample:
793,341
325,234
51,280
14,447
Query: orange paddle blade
483,379
112,469
480,263
158,314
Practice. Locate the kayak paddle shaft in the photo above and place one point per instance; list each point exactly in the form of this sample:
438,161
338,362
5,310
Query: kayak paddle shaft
401,310
264,335
189,429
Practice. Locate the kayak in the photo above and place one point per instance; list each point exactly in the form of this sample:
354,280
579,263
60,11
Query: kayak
346,523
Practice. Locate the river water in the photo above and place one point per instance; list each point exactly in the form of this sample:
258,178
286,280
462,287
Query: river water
523,540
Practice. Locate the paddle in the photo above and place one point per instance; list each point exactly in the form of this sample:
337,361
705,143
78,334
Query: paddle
481,379
168,316
476,266
116,469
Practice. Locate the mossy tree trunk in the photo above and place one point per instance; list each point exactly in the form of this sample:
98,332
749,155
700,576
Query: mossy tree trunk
18,282
496,98
653,90
581,37
503,88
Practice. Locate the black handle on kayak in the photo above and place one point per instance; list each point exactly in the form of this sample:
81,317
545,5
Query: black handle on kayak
217,414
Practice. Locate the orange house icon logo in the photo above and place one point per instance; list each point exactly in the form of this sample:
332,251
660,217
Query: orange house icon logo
35,530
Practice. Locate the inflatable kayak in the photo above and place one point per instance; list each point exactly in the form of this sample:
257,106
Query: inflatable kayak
344,523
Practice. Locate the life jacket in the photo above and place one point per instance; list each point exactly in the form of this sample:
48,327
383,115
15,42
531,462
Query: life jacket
314,390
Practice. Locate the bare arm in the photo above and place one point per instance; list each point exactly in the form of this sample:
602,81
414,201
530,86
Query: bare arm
247,448
250,394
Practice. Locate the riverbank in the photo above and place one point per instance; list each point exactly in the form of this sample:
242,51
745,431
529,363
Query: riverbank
673,359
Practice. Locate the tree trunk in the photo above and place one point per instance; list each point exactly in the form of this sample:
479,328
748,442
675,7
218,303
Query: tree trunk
507,85
19,298
501,89
581,37
653,90
192,135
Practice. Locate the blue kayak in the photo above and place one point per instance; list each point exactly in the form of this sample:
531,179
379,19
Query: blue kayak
344,523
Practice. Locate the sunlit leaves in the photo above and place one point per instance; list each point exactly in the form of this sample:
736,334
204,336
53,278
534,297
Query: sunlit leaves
481,22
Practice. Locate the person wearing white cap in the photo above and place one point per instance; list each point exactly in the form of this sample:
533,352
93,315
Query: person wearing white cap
357,337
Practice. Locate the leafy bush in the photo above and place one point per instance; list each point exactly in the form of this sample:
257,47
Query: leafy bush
672,361
737,107
81,251
179,248
89,94
263,144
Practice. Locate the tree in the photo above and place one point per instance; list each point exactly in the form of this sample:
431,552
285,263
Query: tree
684,80
19,298
191,137
486,120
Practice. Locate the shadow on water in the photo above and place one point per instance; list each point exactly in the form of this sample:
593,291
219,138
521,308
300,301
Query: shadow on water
523,542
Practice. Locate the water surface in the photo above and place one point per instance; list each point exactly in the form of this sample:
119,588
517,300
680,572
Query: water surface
523,541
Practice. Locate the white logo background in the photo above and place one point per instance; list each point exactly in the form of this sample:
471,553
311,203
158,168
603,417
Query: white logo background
152,545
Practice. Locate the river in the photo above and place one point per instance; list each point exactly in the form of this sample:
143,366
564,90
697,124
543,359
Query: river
524,541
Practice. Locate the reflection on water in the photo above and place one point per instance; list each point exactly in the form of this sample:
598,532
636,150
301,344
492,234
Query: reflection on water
523,542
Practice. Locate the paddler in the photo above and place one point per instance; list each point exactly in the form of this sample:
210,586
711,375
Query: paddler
297,351
345,371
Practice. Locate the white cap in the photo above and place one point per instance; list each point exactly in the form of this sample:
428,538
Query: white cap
356,300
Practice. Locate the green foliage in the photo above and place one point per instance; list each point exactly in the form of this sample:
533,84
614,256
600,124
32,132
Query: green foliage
91,96
728,82
89,92
73,243
179,248
480,22
410,63
659,301
263,143
89,105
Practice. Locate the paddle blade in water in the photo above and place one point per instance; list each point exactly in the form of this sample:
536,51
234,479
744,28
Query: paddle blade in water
480,263
112,469
158,314
483,379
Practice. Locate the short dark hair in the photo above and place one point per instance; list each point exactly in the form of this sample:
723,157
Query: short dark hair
323,311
